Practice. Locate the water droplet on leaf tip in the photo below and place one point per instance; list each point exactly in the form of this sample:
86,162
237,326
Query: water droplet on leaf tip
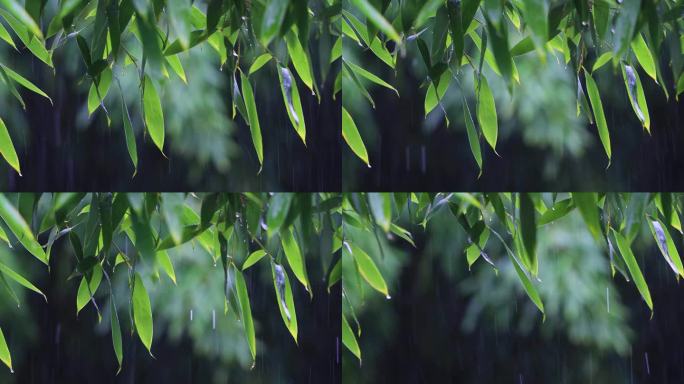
388,297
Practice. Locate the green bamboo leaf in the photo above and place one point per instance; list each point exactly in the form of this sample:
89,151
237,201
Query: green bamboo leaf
35,45
4,34
352,137
130,136
97,95
370,76
259,62
253,118
367,268
335,274
116,335
88,287
7,148
300,58
432,98
528,229
599,117
154,116
381,208
427,11
24,82
666,245
559,209
253,258
633,266
246,312
636,96
272,19
162,259
586,203
473,137
295,258
498,38
601,16
602,60
530,289
278,208
644,57
20,279
293,104
284,298
21,230
486,112
349,339
5,356
142,312
18,11
625,23
536,19
174,62
376,18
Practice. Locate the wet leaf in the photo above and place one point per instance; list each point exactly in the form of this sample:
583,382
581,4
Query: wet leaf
130,137
349,339
352,137
633,267
294,257
536,19
624,27
142,312
4,34
5,356
284,298
253,258
293,104
162,259
24,82
667,246
174,62
371,77
259,62
559,209
367,268
154,117
253,118
381,208
473,137
602,60
586,203
116,335
18,11
35,45
21,230
88,287
636,96
278,208
300,59
7,148
528,229
530,289
20,279
96,95
486,112
246,312
644,57
376,18
433,98
599,117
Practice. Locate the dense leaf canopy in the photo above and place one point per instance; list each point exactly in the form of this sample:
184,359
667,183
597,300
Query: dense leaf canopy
133,233
456,38
512,220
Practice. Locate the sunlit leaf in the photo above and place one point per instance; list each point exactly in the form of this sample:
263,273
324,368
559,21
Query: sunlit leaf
253,258
351,135
7,148
88,287
367,268
5,356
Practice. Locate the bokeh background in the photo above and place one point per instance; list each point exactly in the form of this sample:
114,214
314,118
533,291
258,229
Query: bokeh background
543,145
50,343
61,148
445,323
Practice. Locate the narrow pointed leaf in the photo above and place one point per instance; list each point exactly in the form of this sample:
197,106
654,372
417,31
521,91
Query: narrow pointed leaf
352,137
116,336
586,203
294,257
634,270
376,18
599,117
142,312
246,312
253,118
5,356
21,230
7,148
349,339
486,112
293,104
253,258
369,271
154,116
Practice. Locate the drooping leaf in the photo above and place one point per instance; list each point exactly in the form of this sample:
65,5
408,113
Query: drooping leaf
253,118
21,230
24,82
349,339
142,312
473,137
293,104
634,270
245,311
5,356
351,135
96,95
667,246
381,208
486,112
586,203
116,336
259,62
278,208
88,287
284,298
300,59
294,257
644,57
599,117
376,18
528,229
7,148
154,116
367,268
253,258
20,279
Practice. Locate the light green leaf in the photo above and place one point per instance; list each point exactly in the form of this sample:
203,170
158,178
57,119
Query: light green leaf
473,137
586,203
246,312
371,77
116,336
602,60
21,280
530,289
163,260
7,148
636,96
176,66
21,230
634,270
96,96
24,82
366,266
5,356
559,209
19,12
253,258
644,57
299,57
259,62
352,137
486,112
536,19
376,18
432,98
295,258
253,117
349,339
142,312
154,116
599,117
666,245
87,289
381,208
293,104
4,34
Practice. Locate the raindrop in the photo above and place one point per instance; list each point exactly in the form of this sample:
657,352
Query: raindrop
423,161
648,367
388,297
191,315
608,298
213,319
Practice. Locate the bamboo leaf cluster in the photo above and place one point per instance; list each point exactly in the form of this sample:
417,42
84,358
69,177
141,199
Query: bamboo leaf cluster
135,234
